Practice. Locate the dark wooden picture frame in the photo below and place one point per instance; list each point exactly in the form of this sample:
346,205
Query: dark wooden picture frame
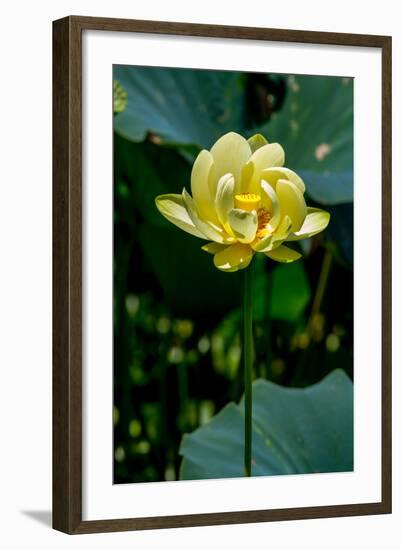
67,274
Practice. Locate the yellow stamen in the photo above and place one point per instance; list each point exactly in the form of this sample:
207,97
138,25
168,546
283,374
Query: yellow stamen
264,218
247,201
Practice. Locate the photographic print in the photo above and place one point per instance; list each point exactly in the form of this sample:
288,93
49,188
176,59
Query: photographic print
221,274
232,274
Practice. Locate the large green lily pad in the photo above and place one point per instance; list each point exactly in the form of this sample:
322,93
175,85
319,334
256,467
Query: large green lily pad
295,431
315,127
282,292
179,106
291,291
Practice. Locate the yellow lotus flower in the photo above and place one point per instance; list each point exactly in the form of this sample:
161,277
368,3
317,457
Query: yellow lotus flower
244,201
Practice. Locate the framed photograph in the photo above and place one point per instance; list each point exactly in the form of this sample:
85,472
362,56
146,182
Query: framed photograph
222,274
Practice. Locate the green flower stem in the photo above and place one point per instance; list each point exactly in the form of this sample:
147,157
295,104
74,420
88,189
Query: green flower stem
248,370
320,290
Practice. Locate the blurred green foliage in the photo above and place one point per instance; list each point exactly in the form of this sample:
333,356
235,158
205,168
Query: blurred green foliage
177,323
